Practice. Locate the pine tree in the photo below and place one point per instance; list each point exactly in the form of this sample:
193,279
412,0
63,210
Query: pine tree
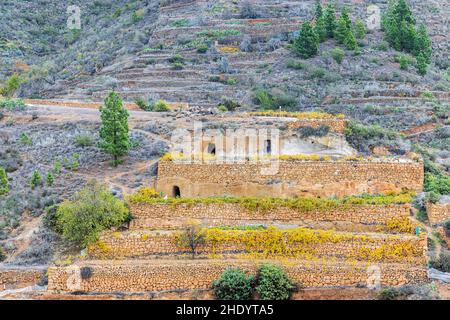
307,43
360,29
421,64
330,20
341,32
344,33
320,29
399,25
114,130
4,184
350,41
422,44
346,17
50,179
402,12
319,10
36,180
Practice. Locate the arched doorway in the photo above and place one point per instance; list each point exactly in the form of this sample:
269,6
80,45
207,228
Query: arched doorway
176,192
212,148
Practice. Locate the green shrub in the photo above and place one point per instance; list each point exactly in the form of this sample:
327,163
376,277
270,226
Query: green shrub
442,263
177,66
12,104
337,54
389,293
57,166
180,23
36,180
317,73
50,179
421,65
141,103
229,105
439,184
362,136
4,184
273,283
222,108
273,100
83,141
25,140
90,211
178,58
161,106
138,15
295,64
360,29
202,47
234,284
11,85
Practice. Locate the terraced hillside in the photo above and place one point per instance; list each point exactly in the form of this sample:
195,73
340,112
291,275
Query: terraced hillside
244,53
228,65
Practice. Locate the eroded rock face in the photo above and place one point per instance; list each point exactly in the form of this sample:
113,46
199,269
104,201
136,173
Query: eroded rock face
330,145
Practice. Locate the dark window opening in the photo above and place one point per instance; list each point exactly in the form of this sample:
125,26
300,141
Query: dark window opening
176,192
212,148
268,146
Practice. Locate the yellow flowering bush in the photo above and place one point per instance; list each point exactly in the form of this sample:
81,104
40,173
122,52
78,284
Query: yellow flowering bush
306,204
228,49
143,195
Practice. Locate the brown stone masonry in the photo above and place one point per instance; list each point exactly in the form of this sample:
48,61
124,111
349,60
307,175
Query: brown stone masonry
163,216
19,278
335,125
143,244
154,275
438,213
290,179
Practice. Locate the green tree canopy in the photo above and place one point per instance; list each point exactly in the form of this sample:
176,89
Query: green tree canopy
306,45
114,130
88,212
330,20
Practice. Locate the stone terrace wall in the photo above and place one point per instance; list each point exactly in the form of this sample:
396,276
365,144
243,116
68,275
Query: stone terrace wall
438,213
144,276
19,278
142,244
335,125
163,216
291,179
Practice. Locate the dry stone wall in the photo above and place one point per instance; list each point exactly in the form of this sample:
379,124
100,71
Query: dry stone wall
335,125
164,216
145,276
19,278
438,213
289,178
144,244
